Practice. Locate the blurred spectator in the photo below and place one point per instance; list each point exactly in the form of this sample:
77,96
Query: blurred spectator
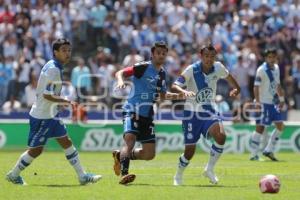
241,74
81,80
296,77
30,90
4,80
132,58
6,16
97,17
105,81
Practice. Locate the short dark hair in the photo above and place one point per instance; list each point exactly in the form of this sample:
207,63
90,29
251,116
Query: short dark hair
58,43
270,50
208,47
160,44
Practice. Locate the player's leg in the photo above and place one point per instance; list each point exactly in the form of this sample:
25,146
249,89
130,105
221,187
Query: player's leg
147,137
73,158
269,150
262,120
129,142
216,130
255,141
191,127
147,152
36,140
184,160
23,162
132,124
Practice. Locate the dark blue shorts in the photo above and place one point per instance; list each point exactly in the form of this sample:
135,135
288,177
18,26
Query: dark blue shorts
196,124
268,115
42,129
142,127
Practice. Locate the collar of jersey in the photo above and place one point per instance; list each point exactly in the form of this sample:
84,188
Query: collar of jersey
211,70
58,64
268,66
153,66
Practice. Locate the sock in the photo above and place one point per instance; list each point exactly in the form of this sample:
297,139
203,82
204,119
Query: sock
23,162
73,158
183,163
215,152
124,165
254,143
273,140
132,155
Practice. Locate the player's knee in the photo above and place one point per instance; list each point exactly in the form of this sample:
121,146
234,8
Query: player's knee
221,138
35,152
280,127
149,156
189,153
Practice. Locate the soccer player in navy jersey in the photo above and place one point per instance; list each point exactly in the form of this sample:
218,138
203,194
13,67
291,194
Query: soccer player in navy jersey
269,98
200,116
44,120
149,84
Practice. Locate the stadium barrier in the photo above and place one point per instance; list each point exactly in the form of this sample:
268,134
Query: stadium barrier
13,136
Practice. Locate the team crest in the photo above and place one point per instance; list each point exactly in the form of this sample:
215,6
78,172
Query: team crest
204,95
190,136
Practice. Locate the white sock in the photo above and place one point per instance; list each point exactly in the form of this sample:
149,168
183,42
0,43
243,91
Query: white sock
183,163
215,152
273,140
73,158
23,162
254,143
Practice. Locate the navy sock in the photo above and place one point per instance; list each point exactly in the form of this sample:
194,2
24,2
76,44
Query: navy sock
124,165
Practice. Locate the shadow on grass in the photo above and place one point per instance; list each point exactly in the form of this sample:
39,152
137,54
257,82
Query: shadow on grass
57,185
203,186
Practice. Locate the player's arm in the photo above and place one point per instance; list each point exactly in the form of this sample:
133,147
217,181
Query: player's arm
257,83
256,93
56,99
279,90
180,84
137,70
120,79
179,89
50,96
280,93
235,86
172,96
53,78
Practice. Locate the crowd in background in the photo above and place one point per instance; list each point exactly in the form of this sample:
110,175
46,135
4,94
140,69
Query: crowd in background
108,35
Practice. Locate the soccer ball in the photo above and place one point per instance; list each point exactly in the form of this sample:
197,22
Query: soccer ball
269,184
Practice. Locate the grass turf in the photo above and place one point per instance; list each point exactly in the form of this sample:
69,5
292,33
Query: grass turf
51,177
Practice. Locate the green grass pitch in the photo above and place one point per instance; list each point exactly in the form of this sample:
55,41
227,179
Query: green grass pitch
51,177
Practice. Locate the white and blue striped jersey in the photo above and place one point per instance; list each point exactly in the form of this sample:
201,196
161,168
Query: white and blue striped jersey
268,80
50,82
203,85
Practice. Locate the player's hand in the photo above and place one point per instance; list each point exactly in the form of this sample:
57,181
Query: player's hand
120,85
189,93
73,104
281,106
234,92
257,105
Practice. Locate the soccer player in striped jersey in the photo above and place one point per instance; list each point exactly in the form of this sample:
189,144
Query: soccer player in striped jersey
200,116
269,98
44,120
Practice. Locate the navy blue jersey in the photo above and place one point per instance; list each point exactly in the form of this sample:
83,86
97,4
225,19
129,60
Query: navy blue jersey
147,83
